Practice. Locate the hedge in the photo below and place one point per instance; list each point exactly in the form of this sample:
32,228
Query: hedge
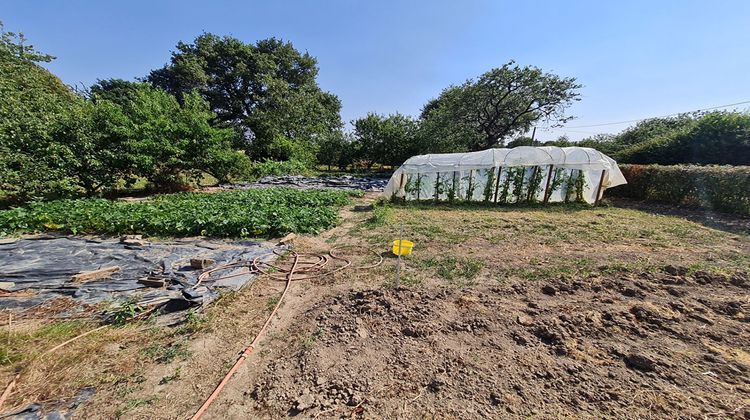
720,188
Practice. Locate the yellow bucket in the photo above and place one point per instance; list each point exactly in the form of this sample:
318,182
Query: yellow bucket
406,247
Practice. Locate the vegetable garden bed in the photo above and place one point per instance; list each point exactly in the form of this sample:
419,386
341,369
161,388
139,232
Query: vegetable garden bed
262,212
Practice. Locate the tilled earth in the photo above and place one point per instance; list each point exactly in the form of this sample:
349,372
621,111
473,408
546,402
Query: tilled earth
667,345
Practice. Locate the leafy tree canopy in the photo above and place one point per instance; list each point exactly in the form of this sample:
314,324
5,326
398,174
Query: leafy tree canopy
32,104
502,102
267,90
118,91
388,140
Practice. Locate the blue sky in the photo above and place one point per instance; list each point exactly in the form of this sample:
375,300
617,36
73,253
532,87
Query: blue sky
635,58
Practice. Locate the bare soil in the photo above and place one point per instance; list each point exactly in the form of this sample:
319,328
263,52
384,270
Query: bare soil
633,346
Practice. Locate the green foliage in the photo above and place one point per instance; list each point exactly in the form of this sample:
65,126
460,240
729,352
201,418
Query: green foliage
453,189
439,186
388,140
580,186
15,45
124,313
505,190
271,211
562,141
489,186
56,144
336,150
575,185
118,91
170,140
471,185
258,170
502,102
559,178
266,90
517,176
717,137
534,185
413,185
721,188
521,141
33,103
380,214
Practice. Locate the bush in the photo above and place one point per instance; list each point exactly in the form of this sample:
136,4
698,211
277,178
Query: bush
259,212
258,170
721,188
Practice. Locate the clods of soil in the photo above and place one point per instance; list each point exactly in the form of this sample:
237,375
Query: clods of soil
668,344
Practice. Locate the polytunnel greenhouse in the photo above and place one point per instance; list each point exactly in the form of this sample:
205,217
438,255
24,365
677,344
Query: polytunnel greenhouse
501,176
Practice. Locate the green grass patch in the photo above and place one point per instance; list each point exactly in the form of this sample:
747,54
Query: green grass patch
380,214
13,344
257,212
162,353
452,268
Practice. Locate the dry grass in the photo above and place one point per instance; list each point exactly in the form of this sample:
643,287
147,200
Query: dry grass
527,243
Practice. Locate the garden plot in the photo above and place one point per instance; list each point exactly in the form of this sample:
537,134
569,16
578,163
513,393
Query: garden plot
47,271
501,312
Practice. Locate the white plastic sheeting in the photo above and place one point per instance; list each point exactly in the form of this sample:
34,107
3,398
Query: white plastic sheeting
549,174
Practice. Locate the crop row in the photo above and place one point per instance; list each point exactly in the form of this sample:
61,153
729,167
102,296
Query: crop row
258,212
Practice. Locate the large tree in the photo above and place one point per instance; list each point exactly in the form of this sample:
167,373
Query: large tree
32,104
501,103
267,91
388,140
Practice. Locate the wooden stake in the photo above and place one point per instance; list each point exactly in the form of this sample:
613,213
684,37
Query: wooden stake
497,181
437,184
599,190
546,188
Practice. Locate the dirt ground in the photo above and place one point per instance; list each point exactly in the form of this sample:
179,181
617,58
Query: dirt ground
546,313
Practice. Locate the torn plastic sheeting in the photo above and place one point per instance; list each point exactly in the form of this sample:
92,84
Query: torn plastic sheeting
46,265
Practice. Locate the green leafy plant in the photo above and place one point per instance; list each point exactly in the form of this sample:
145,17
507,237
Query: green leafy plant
269,167
439,186
558,179
256,212
125,313
518,176
453,188
580,186
503,198
470,185
489,186
534,184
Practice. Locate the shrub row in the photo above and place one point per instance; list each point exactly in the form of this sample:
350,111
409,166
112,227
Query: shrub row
721,188
260,212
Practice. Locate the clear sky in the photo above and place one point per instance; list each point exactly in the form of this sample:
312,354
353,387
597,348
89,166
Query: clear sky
635,58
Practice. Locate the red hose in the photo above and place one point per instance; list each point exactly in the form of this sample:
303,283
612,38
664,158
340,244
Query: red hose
249,349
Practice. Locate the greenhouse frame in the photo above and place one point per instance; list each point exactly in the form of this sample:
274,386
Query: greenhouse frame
522,174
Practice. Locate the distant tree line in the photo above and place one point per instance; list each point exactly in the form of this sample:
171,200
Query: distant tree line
222,107
702,138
